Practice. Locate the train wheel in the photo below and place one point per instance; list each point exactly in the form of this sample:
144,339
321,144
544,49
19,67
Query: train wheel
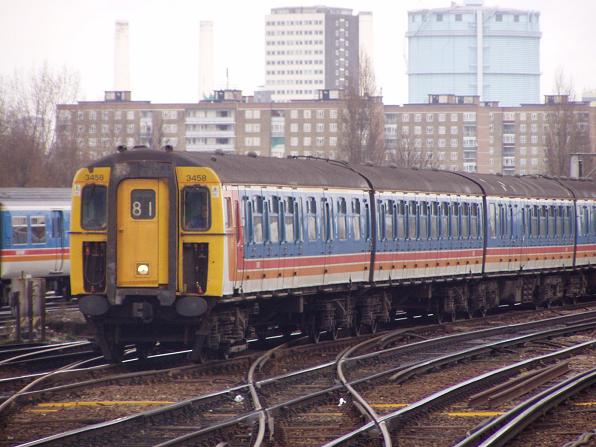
144,350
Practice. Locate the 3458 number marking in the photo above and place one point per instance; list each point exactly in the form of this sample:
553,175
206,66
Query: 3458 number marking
94,177
196,178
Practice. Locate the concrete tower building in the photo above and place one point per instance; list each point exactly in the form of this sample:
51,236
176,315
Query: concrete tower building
206,85
312,48
121,57
471,49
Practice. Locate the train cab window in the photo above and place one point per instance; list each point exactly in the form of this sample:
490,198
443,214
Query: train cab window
311,219
356,234
390,220
94,215
257,220
289,228
474,221
342,219
424,220
454,223
19,230
401,220
434,220
274,219
465,220
444,220
38,229
412,220
196,207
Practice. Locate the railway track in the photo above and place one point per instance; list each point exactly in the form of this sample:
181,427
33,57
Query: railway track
319,399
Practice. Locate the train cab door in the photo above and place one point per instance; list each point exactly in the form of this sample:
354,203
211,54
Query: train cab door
59,239
142,233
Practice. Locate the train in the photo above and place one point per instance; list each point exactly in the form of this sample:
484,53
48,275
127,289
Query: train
209,250
34,240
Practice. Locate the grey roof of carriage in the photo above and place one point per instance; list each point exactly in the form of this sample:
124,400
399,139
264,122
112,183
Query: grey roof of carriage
312,172
40,195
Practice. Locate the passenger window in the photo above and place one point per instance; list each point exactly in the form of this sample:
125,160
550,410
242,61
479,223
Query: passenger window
274,220
568,221
434,220
342,220
465,214
455,220
311,218
445,220
560,221
401,220
389,217
543,221
551,222
93,204
228,214
19,230
493,220
584,221
258,227
196,207
289,235
327,227
57,224
534,221
248,221
474,221
356,234
424,220
38,229
412,218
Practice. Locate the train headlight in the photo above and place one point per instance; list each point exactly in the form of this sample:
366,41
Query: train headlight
143,269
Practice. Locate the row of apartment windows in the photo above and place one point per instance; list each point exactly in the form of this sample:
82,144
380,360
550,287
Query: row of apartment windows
295,141
295,92
209,113
110,143
293,52
293,22
106,115
498,17
297,62
298,43
299,32
294,81
294,72
130,128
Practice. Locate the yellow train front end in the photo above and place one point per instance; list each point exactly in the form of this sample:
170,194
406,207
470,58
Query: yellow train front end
147,243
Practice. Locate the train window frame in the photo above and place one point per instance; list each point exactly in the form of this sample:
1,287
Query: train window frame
445,211
356,220
380,220
21,225
248,221
228,215
424,233
327,221
552,222
258,225
412,210
465,220
311,219
474,218
95,222
273,215
569,221
342,219
288,219
584,221
195,228
401,222
57,219
434,220
543,221
560,225
36,223
454,230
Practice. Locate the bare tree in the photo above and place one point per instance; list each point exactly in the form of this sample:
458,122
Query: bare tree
566,132
406,154
28,124
362,123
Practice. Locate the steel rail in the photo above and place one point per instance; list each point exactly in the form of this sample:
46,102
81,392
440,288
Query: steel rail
279,407
526,413
443,396
50,348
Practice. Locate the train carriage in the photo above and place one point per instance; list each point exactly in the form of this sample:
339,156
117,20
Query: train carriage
211,249
34,237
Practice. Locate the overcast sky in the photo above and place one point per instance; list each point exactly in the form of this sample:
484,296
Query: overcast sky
79,34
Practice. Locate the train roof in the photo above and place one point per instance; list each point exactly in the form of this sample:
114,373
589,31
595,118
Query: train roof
313,172
38,195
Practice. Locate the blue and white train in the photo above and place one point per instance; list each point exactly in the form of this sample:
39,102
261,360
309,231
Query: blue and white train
34,240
